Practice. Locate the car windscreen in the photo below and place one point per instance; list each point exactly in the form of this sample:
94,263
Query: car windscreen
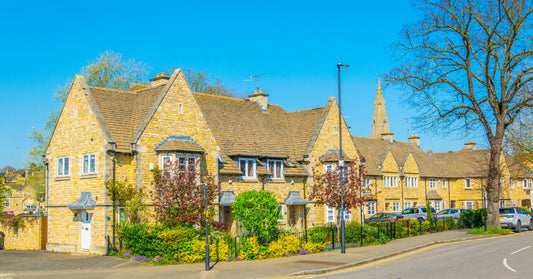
506,211
406,211
423,209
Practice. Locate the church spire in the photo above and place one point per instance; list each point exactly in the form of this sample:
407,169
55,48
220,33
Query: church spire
380,122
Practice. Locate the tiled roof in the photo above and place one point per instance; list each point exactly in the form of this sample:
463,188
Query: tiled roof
518,170
333,156
462,163
243,129
124,111
179,143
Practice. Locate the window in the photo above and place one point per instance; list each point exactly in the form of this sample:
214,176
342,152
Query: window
6,203
511,184
527,183
121,215
502,203
248,167
469,204
468,183
186,163
390,181
367,183
432,183
395,207
412,182
347,215
443,204
436,205
371,208
180,108
444,183
275,167
406,205
330,214
89,163
281,213
63,166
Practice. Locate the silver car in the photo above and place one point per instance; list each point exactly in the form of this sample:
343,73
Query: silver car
450,213
515,218
416,213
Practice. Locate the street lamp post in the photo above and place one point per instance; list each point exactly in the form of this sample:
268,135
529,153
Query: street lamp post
206,230
341,161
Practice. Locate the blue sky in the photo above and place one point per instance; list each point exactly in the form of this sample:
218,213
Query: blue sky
297,44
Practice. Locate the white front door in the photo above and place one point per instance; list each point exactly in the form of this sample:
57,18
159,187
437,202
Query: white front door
85,230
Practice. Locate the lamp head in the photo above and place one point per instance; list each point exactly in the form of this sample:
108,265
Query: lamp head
339,65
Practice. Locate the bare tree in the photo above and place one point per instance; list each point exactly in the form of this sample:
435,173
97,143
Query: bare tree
467,64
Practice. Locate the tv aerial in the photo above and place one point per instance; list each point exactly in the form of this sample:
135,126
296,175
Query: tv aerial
256,79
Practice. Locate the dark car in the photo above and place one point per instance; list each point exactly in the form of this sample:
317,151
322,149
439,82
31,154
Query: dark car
383,217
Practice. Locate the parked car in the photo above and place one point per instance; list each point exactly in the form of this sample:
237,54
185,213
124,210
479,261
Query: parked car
449,213
515,218
418,213
383,217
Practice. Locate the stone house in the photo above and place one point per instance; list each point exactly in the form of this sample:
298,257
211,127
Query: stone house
402,175
246,144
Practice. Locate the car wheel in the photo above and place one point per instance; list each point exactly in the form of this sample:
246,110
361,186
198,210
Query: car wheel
518,226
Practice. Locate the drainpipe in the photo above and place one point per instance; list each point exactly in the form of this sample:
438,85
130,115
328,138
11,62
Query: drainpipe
46,181
114,198
449,195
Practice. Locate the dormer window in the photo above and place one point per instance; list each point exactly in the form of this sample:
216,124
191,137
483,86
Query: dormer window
275,168
248,168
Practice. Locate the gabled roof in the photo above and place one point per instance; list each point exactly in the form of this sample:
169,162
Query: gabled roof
241,128
124,111
374,150
462,163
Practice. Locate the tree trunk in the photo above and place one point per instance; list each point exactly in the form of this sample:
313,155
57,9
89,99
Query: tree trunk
494,175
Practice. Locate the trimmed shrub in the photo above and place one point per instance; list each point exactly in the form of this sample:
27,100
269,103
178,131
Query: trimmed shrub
284,246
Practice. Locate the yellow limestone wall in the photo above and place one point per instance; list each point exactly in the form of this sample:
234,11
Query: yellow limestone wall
28,238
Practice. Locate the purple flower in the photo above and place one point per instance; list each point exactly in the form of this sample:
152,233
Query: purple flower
127,254
136,257
286,255
238,258
143,258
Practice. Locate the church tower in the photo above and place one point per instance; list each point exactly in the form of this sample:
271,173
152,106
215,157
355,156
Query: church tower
380,122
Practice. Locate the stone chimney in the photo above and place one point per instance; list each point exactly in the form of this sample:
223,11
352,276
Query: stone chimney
470,145
261,99
388,137
430,151
415,139
160,79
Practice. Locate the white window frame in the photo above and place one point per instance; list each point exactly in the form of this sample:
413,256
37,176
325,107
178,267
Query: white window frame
395,206
329,213
187,160
7,203
62,168
502,203
281,212
432,183
443,204
86,169
406,204
436,205
163,160
469,204
390,181
511,184
526,183
273,174
371,208
367,183
247,161
468,183
412,182
444,183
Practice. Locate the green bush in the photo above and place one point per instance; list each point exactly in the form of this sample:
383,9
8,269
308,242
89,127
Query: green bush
141,239
258,213
473,218
319,234
490,231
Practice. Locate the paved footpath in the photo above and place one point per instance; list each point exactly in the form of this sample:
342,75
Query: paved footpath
40,264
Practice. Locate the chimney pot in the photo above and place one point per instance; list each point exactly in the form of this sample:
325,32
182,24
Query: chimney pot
415,139
160,79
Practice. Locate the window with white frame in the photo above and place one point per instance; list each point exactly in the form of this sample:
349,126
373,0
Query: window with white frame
63,166
6,203
527,183
275,168
468,183
347,215
330,214
412,182
248,167
367,183
502,203
371,208
436,205
396,207
88,163
469,204
406,204
166,164
281,213
390,181
444,183
443,204
432,183
511,184
186,162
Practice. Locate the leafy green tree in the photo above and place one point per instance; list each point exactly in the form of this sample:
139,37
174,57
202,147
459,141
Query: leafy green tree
257,211
128,196
203,82
468,65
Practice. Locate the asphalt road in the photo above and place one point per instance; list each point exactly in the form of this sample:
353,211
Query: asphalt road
507,257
